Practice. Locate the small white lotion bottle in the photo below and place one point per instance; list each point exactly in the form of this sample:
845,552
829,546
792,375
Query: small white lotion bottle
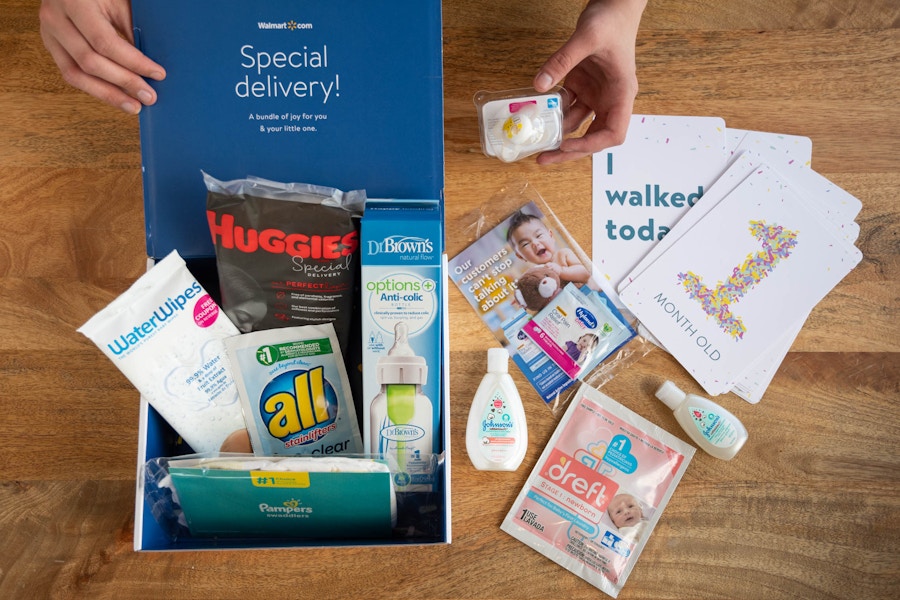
496,433
713,428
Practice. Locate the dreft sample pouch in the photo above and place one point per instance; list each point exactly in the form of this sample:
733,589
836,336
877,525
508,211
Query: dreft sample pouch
295,392
598,489
287,253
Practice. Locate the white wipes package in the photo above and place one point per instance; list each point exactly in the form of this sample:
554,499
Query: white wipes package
165,334
295,392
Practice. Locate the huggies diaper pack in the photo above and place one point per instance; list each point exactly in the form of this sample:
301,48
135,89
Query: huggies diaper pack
287,253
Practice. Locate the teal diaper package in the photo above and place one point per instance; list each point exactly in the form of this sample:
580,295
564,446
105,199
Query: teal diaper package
291,497
294,391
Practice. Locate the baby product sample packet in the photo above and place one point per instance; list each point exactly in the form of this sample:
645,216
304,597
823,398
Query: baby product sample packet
598,490
537,293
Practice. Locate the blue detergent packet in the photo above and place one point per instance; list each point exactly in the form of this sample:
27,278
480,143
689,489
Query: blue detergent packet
294,391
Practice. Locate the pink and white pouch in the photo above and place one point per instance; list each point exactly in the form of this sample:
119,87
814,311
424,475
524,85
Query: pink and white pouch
598,489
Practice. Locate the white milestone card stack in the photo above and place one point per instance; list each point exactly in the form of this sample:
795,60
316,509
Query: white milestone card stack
720,241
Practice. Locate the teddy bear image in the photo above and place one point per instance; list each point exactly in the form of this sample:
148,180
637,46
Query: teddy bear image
537,287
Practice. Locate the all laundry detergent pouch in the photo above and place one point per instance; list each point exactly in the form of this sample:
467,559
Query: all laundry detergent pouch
286,253
165,333
295,392
598,489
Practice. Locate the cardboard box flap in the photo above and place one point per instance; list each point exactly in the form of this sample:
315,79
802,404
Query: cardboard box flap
347,95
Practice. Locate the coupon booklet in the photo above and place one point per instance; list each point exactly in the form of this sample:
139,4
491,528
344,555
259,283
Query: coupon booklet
538,294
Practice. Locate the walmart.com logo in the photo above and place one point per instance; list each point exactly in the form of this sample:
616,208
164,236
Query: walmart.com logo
291,25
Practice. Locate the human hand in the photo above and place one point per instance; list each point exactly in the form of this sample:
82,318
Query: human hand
92,43
555,267
598,64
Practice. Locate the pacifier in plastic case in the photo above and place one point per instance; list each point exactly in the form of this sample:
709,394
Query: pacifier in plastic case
518,123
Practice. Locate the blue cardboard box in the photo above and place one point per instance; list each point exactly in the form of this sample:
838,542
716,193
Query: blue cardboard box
292,92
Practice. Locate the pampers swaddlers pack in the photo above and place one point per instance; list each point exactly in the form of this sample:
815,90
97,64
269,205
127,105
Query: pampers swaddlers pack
402,242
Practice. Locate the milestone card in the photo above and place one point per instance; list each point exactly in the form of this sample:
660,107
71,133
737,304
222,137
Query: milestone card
741,166
819,193
642,187
830,200
755,381
729,289
791,157
747,149
797,149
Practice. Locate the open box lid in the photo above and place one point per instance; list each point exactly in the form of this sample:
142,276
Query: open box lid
346,94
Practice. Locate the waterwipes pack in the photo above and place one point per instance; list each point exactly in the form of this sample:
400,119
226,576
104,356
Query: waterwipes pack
295,392
165,333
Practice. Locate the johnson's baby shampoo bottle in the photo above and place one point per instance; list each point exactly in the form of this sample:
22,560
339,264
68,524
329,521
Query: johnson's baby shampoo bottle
713,428
496,433
401,416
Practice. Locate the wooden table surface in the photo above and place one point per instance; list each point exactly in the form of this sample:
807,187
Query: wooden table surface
810,508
